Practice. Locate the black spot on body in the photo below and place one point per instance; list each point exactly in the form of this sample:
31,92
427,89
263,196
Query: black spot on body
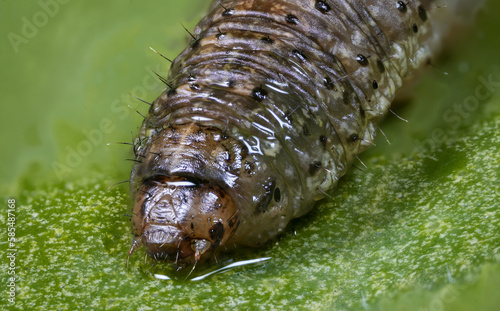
298,54
380,66
277,194
184,198
222,195
195,44
362,112
267,40
292,19
314,168
353,137
322,6
259,94
328,83
401,6
249,168
362,60
231,83
375,85
228,12
422,13
264,201
216,233
415,28
172,91
323,140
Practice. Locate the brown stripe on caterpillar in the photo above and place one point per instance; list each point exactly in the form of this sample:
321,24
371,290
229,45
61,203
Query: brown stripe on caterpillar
268,106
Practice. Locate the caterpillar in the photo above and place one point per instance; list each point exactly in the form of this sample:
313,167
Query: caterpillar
265,110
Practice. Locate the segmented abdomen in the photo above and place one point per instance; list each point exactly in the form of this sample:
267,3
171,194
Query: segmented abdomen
273,99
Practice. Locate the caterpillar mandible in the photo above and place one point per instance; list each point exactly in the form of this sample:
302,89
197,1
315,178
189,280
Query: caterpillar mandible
265,110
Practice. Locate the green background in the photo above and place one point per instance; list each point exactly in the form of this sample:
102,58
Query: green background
419,229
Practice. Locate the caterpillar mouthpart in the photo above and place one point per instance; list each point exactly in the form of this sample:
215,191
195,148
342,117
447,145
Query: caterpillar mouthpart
200,246
165,241
181,220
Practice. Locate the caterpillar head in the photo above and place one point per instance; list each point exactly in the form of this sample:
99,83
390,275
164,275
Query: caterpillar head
181,220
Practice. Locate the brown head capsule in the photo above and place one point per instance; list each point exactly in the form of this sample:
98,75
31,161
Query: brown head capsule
180,220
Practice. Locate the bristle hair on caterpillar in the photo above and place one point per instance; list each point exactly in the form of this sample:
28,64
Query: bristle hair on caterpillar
263,113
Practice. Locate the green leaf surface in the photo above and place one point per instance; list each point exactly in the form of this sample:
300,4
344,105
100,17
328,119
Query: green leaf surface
418,229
